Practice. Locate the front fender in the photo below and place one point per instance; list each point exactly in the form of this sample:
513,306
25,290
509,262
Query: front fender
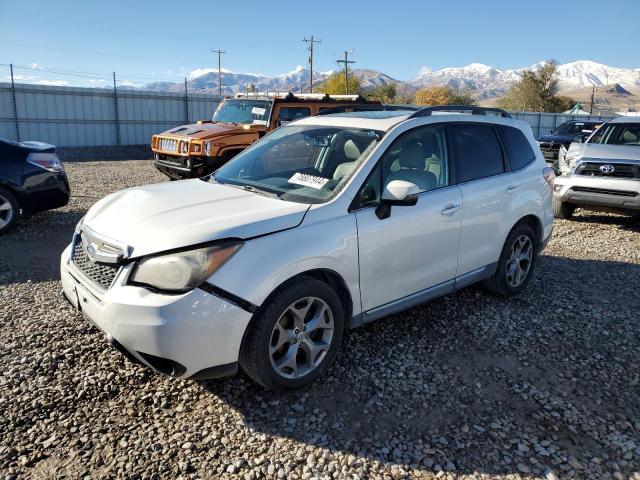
265,263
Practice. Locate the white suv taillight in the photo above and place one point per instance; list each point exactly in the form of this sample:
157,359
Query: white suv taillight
48,161
549,175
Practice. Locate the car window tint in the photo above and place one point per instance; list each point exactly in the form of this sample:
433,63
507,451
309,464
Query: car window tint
518,147
289,114
477,151
418,156
371,190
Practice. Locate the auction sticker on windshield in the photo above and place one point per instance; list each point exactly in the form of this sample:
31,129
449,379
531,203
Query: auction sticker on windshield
258,111
308,180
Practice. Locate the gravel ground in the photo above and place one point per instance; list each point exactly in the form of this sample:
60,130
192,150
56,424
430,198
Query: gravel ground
467,386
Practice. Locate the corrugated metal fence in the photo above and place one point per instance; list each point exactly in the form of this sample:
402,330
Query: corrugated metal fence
84,117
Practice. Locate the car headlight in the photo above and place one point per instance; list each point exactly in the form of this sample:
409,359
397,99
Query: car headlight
207,147
185,148
183,271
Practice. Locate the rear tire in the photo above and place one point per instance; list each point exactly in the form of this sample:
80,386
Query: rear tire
283,351
517,262
9,210
562,210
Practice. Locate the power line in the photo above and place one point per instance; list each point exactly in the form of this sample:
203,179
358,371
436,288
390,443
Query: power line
346,62
310,42
219,52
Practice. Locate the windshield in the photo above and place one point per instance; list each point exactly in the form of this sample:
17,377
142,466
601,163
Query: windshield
308,164
574,128
617,134
243,112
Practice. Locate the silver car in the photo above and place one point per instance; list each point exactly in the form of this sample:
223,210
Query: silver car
603,173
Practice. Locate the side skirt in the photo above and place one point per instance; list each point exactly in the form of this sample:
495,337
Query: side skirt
423,296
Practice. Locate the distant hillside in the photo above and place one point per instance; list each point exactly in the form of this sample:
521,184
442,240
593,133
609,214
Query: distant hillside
484,81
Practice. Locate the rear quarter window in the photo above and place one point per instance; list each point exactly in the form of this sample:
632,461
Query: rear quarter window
518,147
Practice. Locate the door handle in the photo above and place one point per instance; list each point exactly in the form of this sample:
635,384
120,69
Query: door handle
450,210
512,189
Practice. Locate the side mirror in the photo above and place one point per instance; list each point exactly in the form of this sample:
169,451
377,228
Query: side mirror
397,192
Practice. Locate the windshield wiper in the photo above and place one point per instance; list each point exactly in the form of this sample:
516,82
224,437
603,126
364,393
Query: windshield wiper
259,191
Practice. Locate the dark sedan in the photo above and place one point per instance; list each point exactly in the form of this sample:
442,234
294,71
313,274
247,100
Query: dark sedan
32,179
564,134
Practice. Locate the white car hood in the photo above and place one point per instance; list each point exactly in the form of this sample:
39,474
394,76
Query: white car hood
163,216
595,151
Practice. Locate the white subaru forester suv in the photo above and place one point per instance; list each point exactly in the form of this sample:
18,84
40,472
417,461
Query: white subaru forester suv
325,224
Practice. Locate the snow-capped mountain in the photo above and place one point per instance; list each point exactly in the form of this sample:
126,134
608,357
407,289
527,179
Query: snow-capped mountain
490,82
485,81
207,81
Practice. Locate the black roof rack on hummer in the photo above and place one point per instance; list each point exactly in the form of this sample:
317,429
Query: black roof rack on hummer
306,97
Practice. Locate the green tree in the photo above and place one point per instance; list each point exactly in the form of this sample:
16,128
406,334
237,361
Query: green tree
384,93
536,91
461,97
562,103
334,85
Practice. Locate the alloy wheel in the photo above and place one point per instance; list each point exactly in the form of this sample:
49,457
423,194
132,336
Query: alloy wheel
301,337
519,261
6,211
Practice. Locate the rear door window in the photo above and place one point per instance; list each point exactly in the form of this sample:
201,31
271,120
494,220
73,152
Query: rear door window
518,147
476,150
289,114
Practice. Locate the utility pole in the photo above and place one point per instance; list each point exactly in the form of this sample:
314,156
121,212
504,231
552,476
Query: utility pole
593,94
15,105
346,62
219,52
310,41
116,115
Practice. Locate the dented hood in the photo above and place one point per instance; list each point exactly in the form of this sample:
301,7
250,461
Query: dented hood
163,216
204,130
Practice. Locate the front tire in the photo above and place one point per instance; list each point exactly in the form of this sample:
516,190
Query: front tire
9,210
562,210
517,262
295,338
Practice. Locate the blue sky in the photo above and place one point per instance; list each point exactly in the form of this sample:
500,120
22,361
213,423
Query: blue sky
162,40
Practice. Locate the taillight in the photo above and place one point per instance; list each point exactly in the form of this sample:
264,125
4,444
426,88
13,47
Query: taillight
549,175
48,161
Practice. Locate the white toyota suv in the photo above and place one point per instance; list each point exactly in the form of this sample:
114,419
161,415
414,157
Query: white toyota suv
325,224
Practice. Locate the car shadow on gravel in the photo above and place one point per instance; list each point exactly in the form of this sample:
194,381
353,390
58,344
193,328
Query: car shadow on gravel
621,221
31,251
477,383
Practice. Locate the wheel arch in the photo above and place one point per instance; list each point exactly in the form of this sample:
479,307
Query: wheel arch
532,221
328,276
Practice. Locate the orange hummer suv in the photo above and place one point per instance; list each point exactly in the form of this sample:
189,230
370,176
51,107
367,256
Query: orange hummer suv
190,151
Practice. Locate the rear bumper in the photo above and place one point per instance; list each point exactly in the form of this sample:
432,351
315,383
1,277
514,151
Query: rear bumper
614,193
196,334
44,191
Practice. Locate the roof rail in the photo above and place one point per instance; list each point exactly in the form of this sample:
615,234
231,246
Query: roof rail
471,109
368,107
300,96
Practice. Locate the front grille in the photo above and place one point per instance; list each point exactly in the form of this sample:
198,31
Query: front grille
604,191
621,170
168,145
101,274
550,146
